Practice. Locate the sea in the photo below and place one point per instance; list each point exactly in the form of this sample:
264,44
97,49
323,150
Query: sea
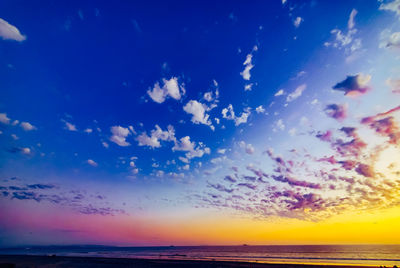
368,255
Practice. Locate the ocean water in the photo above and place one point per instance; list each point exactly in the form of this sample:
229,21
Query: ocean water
373,255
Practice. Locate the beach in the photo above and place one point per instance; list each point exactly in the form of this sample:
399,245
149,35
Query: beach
8,261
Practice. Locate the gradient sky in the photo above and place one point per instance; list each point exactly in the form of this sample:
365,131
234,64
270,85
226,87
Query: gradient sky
195,122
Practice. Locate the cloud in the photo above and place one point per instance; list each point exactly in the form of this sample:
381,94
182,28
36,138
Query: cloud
69,126
336,111
365,170
198,152
354,85
294,182
119,135
229,114
393,6
184,145
88,130
248,65
171,88
346,40
22,150
212,96
105,144
394,85
4,119
92,163
350,23
230,178
249,149
40,186
278,125
390,40
198,112
75,199
10,32
297,22
248,87
279,93
260,109
156,136
27,126
26,151
385,127
220,187
208,96
296,93
242,118
247,185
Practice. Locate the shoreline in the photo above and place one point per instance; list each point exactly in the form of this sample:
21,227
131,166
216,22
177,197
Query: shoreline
74,261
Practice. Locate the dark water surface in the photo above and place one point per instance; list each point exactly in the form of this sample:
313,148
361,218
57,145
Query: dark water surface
373,255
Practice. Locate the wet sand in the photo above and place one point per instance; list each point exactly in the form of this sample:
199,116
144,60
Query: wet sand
59,261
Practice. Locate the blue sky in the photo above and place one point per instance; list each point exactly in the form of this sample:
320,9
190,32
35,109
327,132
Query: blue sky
164,100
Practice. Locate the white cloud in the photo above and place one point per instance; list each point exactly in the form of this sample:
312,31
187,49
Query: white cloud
69,126
186,167
221,151
27,126
184,145
292,132
92,163
296,93
88,130
198,152
346,40
260,109
183,159
278,125
242,118
389,40
10,32
249,149
132,164
170,88
208,96
248,66
198,110
105,144
297,22
15,137
248,87
229,113
135,171
157,134
190,147
4,119
279,93
26,151
350,23
15,122
119,135
393,6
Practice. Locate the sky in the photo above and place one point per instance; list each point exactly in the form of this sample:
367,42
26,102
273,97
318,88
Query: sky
152,123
